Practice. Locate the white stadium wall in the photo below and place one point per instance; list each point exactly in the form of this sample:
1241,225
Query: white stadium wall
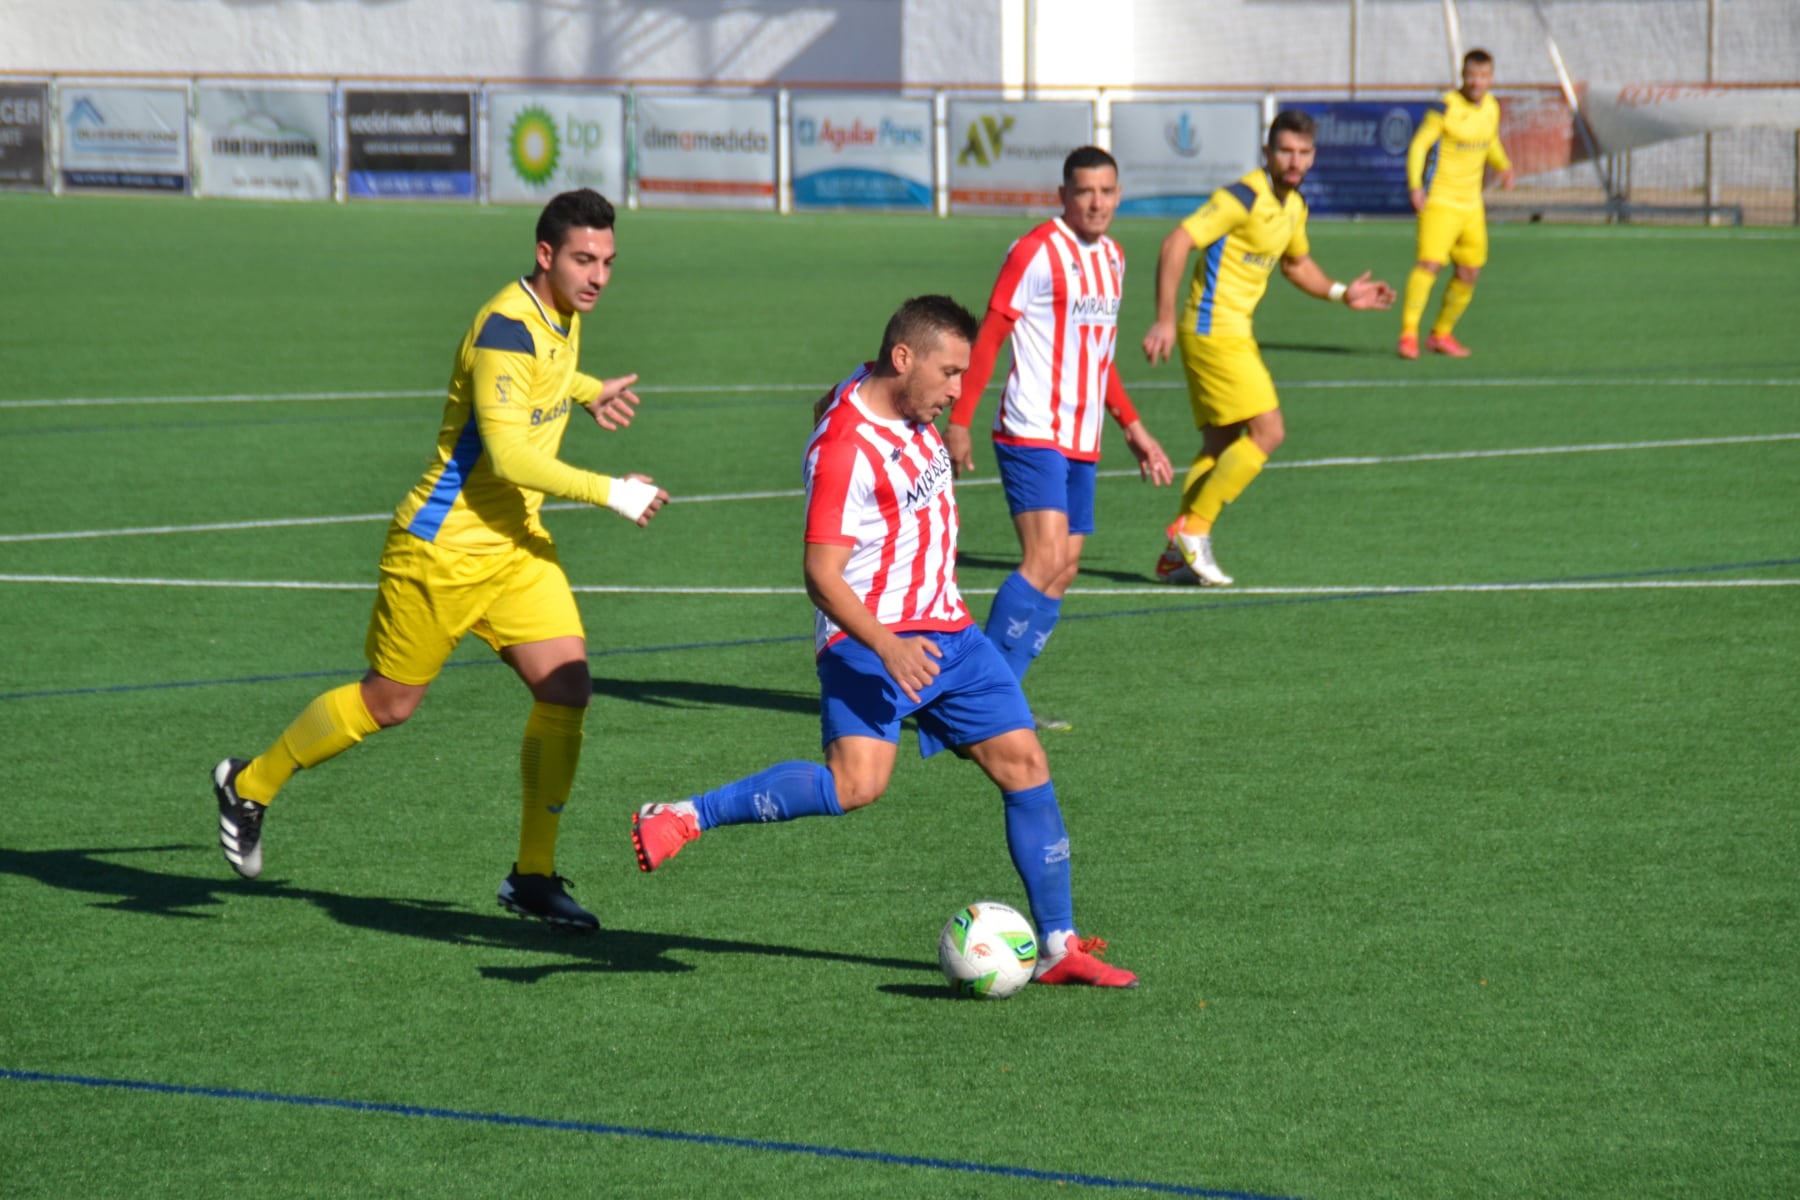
915,41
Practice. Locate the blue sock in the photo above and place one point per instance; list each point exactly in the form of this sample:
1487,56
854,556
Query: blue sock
1040,852
1011,621
1042,623
781,793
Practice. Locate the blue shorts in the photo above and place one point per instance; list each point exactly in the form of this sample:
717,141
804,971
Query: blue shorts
974,697
1037,477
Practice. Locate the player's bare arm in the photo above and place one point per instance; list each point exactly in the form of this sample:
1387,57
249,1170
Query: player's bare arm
1171,265
1153,462
911,661
1361,293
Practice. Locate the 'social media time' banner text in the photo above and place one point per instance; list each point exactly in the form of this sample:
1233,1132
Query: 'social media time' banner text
263,144
708,152
1361,162
1008,155
125,138
23,124
1172,156
861,152
418,145
542,143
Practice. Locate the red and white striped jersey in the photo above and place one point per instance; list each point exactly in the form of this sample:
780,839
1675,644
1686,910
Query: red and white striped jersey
1064,296
883,488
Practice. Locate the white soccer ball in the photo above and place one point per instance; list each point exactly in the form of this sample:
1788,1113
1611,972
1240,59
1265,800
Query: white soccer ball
987,951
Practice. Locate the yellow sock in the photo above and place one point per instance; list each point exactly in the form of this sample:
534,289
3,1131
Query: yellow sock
1241,462
330,725
547,762
1456,300
1190,490
1418,295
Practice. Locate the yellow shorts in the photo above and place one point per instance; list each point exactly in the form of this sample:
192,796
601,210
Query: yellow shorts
1454,235
1227,381
430,597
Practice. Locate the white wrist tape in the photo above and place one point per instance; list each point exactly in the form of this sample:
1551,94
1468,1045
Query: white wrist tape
630,497
1338,292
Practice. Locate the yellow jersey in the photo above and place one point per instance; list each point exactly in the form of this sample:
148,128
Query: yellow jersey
1459,139
510,390
1243,232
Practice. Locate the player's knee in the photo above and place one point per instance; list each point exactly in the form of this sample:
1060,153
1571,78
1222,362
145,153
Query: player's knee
393,705
1430,268
1468,275
570,686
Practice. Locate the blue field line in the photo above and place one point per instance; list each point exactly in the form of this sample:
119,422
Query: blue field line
661,1135
1212,601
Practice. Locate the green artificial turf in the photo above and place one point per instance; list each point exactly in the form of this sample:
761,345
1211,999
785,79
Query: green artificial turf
1434,893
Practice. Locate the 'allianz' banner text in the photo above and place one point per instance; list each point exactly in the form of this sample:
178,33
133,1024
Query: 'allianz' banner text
262,144
855,151
706,152
125,138
1361,163
545,142
1008,155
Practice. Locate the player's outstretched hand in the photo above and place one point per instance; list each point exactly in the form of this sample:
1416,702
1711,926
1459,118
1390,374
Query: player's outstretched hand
1153,464
1365,293
962,451
1159,341
912,661
616,404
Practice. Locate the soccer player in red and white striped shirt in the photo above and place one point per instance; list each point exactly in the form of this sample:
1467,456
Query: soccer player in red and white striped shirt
895,641
1057,299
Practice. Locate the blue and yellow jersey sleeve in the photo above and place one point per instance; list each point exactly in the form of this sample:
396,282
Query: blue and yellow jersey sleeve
1242,233
1453,145
511,389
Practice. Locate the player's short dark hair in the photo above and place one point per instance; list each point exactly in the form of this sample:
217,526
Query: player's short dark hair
1086,158
1292,120
1479,58
921,321
583,208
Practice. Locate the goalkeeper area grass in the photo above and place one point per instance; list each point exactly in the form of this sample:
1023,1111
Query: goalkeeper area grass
1454,845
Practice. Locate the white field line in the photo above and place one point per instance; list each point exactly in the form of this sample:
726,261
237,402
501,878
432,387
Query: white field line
696,389
989,480
1599,585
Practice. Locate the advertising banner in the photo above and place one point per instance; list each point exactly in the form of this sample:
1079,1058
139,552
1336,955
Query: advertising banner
542,143
706,152
125,138
1361,165
861,152
1008,155
417,145
1172,156
262,144
1625,116
24,110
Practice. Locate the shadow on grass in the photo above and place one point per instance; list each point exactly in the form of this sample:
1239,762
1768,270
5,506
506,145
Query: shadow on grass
164,894
687,693
1087,572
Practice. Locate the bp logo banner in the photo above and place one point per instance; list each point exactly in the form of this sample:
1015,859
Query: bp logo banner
543,142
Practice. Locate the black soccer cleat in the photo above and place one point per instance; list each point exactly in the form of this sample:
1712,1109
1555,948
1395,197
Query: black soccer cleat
545,898
240,820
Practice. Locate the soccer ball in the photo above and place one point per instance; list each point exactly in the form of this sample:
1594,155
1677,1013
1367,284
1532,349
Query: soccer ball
987,951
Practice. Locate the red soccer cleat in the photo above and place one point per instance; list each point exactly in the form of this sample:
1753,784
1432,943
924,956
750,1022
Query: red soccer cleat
1080,963
1445,343
1409,345
659,831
